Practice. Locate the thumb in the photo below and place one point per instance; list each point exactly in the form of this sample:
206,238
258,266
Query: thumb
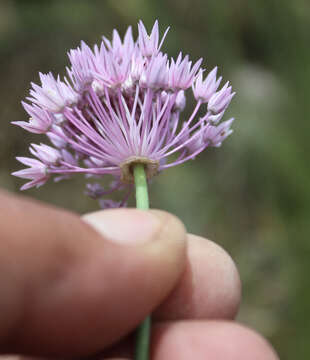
145,256
120,266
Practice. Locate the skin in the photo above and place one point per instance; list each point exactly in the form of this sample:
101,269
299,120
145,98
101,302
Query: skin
73,287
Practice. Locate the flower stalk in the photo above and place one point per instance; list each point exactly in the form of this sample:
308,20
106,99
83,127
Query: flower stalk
142,198
142,202
143,340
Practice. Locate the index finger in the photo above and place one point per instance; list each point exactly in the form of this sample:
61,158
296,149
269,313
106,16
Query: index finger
210,287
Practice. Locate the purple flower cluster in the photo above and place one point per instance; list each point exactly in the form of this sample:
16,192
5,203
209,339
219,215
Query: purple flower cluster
121,104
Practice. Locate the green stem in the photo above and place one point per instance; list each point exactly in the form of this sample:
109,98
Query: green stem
142,201
143,340
142,197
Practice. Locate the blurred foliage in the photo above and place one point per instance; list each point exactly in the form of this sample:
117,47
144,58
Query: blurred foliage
252,195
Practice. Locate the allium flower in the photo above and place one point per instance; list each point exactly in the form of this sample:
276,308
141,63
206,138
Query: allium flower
40,120
53,95
148,44
37,172
181,73
121,105
204,89
45,153
220,100
81,72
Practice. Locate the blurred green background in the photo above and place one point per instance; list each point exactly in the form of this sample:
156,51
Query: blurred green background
252,196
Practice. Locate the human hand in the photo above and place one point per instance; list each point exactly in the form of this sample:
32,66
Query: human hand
72,287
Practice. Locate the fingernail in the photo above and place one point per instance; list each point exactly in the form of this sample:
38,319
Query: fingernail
127,227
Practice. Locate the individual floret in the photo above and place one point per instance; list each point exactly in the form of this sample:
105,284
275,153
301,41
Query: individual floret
53,95
220,100
37,172
204,89
40,120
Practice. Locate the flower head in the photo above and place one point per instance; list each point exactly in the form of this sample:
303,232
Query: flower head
122,105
